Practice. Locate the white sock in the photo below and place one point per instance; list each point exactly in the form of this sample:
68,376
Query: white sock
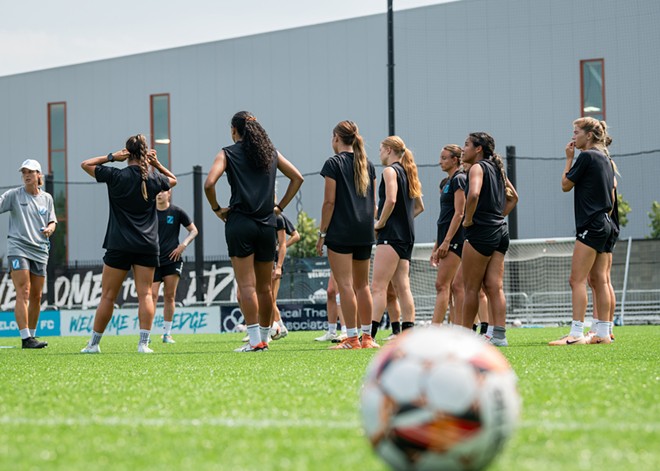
611,324
577,329
603,329
33,332
332,328
253,333
264,332
167,327
489,330
352,332
96,338
366,329
25,333
281,324
144,337
344,330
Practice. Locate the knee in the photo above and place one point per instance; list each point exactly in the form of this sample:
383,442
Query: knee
332,293
441,287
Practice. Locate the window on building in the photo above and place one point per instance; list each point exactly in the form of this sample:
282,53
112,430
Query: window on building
57,162
160,127
592,78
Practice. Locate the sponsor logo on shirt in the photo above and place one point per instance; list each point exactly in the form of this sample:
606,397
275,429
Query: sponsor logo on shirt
446,188
43,211
170,219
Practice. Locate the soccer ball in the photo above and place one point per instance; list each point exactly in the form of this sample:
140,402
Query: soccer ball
439,398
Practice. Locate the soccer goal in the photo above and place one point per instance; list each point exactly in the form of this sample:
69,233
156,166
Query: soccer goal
535,280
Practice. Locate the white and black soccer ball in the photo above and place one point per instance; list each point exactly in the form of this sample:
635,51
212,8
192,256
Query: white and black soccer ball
439,398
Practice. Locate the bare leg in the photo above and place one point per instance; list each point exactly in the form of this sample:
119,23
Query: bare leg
111,282
447,268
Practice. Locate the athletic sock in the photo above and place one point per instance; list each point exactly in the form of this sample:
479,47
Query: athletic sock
96,339
475,327
167,327
281,324
33,332
253,333
352,332
332,328
499,332
366,329
374,328
489,330
144,337
577,329
483,328
396,327
264,332
344,330
407,325
602,329
25,334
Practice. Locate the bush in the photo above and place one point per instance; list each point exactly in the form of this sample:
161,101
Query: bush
654,216
624,209
306,246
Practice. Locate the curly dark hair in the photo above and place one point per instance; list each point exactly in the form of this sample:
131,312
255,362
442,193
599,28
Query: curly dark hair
487,143
256,143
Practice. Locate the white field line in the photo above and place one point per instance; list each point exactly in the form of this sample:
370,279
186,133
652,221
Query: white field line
649,427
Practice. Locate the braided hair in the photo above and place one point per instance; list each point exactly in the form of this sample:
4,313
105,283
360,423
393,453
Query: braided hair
257,146
137,146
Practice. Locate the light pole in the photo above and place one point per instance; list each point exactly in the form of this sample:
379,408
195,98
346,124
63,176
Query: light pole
390,66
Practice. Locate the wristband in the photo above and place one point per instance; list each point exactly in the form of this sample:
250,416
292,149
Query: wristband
216,209
111,157
279,207
322,234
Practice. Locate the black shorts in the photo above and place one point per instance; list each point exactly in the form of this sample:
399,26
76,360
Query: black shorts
360,252
245,237
599,234
456,243
403,249
122,260
166,270
488,239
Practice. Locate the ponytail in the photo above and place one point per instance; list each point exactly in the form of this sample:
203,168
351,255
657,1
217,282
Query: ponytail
349,134
407,161
137,147
487,144
256,144
598,130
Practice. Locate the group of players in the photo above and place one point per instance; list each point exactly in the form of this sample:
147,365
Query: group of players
476,196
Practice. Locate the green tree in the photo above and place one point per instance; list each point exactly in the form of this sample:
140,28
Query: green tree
624,209
654,216
306,246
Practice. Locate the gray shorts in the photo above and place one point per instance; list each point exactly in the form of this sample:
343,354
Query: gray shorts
22,263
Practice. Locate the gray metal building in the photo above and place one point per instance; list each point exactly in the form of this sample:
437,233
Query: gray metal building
521,70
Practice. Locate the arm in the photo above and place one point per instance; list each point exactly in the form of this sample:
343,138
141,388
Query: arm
391,190
295,181
419,206
281,253
178,252
89,165
476,177
566,184
152,159
293,238
459,207
511,198
326,210
217,169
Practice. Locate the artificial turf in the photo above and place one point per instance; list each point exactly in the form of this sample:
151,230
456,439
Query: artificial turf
197,405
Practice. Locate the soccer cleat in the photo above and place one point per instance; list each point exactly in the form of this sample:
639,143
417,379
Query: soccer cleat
349,343
368,342
612,337
391,337
327,337
260,347
91,349
499,342
167,338
340,338
31,342
144,348
280,334
569,340
594,340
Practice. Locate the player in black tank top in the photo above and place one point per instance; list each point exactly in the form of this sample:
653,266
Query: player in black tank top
593,180
132,236
285,228
448,247
251,164
400,202
170,220
489,198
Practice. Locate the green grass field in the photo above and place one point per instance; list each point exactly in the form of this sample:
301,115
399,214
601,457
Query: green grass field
197,405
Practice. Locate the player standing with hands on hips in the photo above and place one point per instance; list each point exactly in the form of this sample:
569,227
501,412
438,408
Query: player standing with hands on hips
31,223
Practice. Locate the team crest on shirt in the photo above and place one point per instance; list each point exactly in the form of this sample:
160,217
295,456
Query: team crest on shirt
446,188
43,211
170,219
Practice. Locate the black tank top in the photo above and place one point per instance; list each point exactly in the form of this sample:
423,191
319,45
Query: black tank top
491,198
252,189
400,226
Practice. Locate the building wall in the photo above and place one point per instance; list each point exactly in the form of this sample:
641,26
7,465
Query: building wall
509,67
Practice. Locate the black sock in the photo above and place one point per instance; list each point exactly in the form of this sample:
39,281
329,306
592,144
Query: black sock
474,327
396,328
407,325
484,328
499,332
374,328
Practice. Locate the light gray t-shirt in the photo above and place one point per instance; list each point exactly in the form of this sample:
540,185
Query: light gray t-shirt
28,215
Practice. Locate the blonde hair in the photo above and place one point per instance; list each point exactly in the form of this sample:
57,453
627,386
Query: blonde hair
407,161
598,130
349,134
455,151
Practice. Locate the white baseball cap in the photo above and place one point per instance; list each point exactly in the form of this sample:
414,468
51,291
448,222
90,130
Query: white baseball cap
30,164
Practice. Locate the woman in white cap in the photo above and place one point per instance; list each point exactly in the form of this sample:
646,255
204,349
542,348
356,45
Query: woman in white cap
32,222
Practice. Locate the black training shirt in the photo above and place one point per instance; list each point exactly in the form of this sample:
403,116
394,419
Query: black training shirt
492,198
447,190
284,224
400,226
593,176
352,222
132,221
170,221
252,189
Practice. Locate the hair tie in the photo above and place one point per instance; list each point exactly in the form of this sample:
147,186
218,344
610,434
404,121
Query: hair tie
403,150
250,118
